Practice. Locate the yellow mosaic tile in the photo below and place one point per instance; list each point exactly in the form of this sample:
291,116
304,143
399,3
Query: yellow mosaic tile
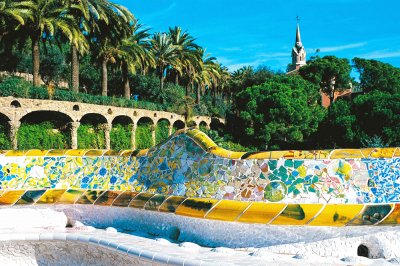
51,196
278,154
257,156
89,197
10,197
36,153
396,153
337,214
15,153
111,153
346,154
367,152
171,204
95,153
76,152
70,196
195,207
141,153
3,152
126,153
261,212
204,141
322,154
56,153
30,197
372,214
227,210
155,202
107,198
383,153
297,214
124,199
393,218
140,200
220,152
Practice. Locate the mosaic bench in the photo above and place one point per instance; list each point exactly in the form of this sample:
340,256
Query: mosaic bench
189,175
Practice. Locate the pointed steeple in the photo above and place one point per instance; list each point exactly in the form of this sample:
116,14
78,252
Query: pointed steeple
298,37
298,52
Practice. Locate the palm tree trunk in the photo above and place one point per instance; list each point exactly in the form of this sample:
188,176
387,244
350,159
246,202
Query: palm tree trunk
35,60
198,94
74,68
125,78
177,79
161,78
104,78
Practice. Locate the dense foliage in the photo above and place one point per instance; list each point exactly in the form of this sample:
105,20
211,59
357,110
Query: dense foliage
277,114
91,137
120,137
42,136
144,136
5,142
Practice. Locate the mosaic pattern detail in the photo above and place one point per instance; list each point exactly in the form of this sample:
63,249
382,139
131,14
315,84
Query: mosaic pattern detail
189,164
224,210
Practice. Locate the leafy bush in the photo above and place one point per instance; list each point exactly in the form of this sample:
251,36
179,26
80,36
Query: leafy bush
162,131
42,136
91,137
121,137
5,142
143,136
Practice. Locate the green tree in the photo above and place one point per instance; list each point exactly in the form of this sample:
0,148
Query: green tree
375,75
165,54
277,114
330,73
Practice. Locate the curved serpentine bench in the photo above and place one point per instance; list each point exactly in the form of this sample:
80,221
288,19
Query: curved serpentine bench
189,175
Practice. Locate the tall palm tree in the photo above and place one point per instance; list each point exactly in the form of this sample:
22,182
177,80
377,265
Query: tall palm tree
186,46
110,27
13,15
134,54
48,18
165,54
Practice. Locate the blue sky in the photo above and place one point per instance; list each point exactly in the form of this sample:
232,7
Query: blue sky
262,32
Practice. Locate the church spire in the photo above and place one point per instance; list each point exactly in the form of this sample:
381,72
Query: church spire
298,37
298,51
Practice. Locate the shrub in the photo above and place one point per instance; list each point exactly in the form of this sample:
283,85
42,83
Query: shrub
162,131
121,137
143,136
43,136
91,137
5,142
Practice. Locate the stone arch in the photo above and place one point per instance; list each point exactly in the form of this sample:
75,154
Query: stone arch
15,104
5,138
93,131
145,136
121,133
203,126
51,130
163,130
216,124
178,124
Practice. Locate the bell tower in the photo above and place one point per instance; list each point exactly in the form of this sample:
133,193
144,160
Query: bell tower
298,52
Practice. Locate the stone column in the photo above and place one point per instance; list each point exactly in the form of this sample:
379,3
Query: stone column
133,136
170,127
74,135
107,129
153,134
14,126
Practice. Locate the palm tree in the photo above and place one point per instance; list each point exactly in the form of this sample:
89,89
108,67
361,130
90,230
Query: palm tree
112,25
48,18
186,46
13,15
134,54
165,54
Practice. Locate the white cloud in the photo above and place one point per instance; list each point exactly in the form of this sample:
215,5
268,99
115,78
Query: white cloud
381,54
339,48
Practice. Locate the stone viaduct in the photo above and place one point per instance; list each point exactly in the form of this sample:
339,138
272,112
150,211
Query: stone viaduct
16,110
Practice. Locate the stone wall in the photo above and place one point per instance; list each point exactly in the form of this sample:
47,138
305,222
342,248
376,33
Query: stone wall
15,110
